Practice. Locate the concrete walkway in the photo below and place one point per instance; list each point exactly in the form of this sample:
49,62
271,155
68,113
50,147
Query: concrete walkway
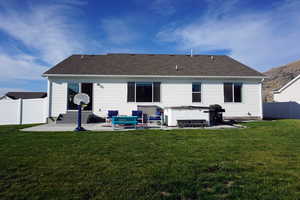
100,127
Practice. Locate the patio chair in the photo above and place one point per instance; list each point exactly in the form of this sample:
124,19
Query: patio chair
110,114
157,117
138,114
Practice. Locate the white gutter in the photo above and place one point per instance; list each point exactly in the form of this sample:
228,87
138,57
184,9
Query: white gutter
147,76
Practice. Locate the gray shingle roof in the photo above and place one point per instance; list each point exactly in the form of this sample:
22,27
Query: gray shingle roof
152,64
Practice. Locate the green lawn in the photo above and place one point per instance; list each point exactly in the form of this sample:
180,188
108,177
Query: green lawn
259,162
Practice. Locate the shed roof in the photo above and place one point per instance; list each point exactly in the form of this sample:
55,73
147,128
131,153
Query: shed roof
26,95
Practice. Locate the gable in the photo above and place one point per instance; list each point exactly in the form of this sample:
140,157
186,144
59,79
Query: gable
289,84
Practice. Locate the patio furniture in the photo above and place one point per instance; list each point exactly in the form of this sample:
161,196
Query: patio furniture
111,114
138,114
124,120
148,109
156,118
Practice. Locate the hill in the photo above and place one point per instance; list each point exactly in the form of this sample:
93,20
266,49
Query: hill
279,76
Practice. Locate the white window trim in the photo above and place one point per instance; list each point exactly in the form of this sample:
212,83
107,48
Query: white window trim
152,82
197,92
233,98
79,91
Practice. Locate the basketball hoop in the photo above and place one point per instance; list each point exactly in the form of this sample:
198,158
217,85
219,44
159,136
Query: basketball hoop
80,99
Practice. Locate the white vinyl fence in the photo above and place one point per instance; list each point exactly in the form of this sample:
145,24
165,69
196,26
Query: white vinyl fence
281,110
23,111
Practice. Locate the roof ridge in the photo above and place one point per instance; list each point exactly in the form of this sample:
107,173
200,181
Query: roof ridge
167,54
151,54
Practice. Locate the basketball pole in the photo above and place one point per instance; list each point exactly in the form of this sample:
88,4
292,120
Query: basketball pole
79,127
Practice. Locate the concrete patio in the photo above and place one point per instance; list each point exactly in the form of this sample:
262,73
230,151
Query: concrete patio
103,127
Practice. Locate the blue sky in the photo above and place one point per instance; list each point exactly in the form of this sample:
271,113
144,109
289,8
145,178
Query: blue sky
37,34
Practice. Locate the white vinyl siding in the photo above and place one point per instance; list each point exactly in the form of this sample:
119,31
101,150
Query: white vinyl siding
59,98
111,94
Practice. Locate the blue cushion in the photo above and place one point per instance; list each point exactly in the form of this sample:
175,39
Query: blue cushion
137,113
154,118
112,113
124,120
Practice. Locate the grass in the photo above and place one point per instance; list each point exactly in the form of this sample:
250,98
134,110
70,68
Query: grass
260,162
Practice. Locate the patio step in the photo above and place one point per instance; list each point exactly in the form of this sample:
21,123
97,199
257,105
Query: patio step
71,117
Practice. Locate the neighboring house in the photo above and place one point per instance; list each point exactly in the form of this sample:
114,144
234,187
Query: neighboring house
286,102
289,92
125,81
23,95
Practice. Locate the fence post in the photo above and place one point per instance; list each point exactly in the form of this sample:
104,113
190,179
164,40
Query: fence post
21,110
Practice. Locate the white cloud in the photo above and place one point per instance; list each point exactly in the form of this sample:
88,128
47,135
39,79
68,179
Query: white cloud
119,31
45,29
20,67
259,39
41,35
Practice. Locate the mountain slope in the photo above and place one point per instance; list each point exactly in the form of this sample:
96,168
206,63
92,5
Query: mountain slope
279,76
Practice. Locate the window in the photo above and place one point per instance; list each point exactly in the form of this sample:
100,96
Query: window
232,92
156,92
237,92
131,92
143,92
228,94
196,92
87,88
73,89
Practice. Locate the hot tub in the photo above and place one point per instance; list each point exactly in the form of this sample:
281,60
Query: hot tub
173,114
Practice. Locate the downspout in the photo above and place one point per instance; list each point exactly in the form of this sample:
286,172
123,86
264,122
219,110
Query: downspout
49,96
261,99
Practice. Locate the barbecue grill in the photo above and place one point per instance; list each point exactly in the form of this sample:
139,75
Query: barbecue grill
216,114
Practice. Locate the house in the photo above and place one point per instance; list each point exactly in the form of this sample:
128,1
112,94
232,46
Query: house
289,92
125,81
23,95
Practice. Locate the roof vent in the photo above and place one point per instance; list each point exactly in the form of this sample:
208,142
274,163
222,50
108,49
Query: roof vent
212,57
176,67
82,57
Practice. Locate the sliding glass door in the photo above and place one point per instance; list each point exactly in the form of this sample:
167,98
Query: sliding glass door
87,88
75,88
